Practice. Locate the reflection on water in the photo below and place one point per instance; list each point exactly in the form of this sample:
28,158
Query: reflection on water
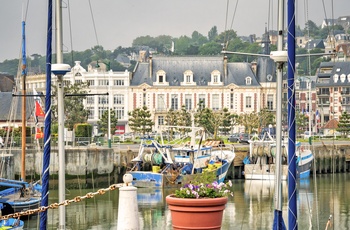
251,207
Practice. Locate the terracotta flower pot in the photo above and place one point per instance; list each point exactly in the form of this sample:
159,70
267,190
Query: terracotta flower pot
205,213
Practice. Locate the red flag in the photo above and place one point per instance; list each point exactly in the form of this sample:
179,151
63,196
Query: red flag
39,134
39,112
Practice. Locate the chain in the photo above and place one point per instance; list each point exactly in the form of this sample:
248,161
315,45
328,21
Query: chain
65,203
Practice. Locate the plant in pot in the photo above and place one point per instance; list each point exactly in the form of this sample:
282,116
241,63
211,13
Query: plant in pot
198,204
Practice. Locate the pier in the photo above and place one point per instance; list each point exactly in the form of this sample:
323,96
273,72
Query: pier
90,166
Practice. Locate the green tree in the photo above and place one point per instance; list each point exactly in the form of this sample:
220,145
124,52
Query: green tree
103,122
210,120
140,120
301,122
74,111
213,33
210,48
250,121
266,118
229,120
344,124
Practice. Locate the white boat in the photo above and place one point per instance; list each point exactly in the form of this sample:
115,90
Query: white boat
260,165
164,166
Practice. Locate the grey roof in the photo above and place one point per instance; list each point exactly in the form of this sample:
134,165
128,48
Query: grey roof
338,68
122,58
6,100
316,43
201,67
265,67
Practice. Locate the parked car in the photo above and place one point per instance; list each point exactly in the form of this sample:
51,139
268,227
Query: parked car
233,138
244,138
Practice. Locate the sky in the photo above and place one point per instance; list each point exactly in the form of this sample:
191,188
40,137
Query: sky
119,22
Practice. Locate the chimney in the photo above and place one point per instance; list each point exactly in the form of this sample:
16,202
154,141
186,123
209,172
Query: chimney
225,66
254,66
150,66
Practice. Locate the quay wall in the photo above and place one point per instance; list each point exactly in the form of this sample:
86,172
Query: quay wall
98,166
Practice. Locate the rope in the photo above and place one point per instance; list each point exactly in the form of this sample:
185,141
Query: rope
65,202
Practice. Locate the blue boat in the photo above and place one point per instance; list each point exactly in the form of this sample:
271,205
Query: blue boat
22,196
163,166
10,223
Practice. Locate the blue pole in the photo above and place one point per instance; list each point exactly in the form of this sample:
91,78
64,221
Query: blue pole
292,201
47,129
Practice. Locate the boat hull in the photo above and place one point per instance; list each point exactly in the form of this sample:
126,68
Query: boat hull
147,179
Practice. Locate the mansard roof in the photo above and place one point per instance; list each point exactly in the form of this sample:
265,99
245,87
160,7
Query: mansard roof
202,67
330,73
6,99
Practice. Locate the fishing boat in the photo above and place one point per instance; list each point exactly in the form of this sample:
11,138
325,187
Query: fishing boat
159,165
21,195
10,223
261,163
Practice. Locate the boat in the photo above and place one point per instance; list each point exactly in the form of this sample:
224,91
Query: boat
166,166
10,223
21,195
260,165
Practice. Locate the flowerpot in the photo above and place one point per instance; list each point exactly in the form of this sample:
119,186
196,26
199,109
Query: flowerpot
203,213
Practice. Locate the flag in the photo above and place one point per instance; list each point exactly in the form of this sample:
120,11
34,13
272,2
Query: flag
39,112
318,117
38,134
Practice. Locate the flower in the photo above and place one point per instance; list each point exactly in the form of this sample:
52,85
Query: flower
201,190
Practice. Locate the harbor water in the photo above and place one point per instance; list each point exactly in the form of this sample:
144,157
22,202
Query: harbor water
323,202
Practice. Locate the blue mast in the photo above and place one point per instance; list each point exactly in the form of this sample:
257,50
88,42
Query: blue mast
47,129
292,200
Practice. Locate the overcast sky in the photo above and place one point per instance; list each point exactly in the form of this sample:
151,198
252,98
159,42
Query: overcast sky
118,22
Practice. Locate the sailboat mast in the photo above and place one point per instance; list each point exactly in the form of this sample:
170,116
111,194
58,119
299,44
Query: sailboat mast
278,220
60,108
292,199
24,105
47,128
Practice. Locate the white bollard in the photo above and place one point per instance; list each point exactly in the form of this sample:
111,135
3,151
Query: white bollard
128,218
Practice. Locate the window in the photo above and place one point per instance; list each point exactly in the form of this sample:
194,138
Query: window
232,98
160,78
161,120
118,99
101,110
201,101
103,100
188,101
188,78
91,82
78,81
103,82
216,102
174,102
90,100
118,82
215,78
248,102
91,112
119,112
161,102
270,102
248,80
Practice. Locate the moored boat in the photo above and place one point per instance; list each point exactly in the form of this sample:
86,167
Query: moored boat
260,165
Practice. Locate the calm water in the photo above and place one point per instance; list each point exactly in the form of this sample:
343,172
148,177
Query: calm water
251,207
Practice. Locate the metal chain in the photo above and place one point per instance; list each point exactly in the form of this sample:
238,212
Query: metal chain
66,202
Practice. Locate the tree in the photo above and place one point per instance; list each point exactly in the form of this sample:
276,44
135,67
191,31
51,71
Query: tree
229,120
344,124
250,121
301,122
210,120
213,33
74,111
140,120
266,118
103,122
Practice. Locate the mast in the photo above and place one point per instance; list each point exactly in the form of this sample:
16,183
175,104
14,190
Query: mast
292,199
24,105
279,58
47,128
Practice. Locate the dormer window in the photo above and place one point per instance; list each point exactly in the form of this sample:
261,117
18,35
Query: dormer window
342,78
161,78
188,78
248,80
215,78
78,74
335,78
